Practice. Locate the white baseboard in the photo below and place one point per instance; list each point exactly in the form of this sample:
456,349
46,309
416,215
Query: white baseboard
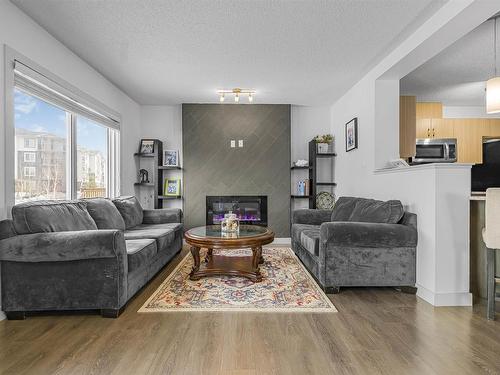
2,315
444,299
282,241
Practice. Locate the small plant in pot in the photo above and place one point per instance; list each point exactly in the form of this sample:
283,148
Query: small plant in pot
323,143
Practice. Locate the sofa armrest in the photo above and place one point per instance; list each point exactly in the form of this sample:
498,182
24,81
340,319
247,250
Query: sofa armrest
63,246
310,216
356,234
162,216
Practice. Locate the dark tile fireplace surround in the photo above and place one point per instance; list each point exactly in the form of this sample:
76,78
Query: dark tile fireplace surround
249,209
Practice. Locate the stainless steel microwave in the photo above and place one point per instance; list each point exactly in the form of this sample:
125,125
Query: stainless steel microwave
433,150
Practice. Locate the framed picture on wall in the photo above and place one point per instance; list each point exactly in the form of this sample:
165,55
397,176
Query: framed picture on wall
172,187
170,158
147,146
351,135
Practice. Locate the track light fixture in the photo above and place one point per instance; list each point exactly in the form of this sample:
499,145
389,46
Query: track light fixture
237,92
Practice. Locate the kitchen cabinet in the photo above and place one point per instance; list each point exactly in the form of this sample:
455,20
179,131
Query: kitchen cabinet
407,126
429,110
434,128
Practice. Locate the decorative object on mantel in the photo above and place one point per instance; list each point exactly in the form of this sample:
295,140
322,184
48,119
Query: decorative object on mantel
143,176
324,143
301,163
351,135
236,92
286,286
172,187
325,200
170,158
147,146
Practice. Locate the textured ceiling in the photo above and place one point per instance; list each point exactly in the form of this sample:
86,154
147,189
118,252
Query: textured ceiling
457,75
169,52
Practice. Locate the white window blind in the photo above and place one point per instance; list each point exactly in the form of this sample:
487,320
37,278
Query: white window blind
38,84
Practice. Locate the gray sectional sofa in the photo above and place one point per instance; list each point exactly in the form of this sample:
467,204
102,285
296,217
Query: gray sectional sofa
83,254
361,242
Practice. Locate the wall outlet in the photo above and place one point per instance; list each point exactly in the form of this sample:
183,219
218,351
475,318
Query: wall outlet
233,143
240,143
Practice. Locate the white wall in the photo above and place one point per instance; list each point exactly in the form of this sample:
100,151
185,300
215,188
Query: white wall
22,34
163,123
439,196
467,112
306,123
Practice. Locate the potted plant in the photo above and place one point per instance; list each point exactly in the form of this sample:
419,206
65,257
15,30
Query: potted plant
323,143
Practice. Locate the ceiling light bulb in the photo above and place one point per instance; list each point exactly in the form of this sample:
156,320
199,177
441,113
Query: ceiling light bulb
221,98
237,98
250,97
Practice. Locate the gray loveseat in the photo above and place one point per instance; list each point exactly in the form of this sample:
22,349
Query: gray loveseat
361,242
83,254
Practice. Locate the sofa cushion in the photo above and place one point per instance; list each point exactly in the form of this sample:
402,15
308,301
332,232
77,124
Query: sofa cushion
164,234
374,211
309,239
343,208
105,214
6,229
130,209
297,230
140,253
51,216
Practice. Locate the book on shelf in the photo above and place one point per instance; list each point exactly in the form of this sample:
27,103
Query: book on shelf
304,187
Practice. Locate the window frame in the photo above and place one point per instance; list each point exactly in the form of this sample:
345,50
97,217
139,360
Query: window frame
30,168
29,160
114,134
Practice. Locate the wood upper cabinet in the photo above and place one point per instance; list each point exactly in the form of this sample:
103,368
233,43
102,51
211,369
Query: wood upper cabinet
407,126
429,110
442,128
434,128
424,128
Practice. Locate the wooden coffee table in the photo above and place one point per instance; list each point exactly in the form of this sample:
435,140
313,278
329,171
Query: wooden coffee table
211,237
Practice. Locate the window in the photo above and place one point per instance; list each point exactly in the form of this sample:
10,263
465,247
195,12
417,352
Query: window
91,158
29,171
29,142
35,120
66,144
29,157
47,140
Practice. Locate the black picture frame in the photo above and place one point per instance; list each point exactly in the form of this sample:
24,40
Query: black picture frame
147,146
351,135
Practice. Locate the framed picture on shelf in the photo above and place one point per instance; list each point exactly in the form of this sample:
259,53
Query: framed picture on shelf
147,146
172,187
351,135
170,158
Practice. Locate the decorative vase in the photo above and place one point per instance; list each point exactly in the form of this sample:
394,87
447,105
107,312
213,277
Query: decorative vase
230,223
323,147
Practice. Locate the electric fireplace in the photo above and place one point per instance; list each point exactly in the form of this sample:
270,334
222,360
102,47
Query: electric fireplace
249,209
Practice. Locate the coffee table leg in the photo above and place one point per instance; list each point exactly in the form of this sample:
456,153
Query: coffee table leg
261,259
209,255
257,254
195,252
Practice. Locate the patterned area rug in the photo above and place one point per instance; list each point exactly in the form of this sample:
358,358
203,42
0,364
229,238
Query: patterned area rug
286,287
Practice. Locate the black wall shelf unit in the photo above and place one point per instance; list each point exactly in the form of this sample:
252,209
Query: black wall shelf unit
155,178
314,155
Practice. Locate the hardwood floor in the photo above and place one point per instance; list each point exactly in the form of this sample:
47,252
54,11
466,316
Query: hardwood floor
376,331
